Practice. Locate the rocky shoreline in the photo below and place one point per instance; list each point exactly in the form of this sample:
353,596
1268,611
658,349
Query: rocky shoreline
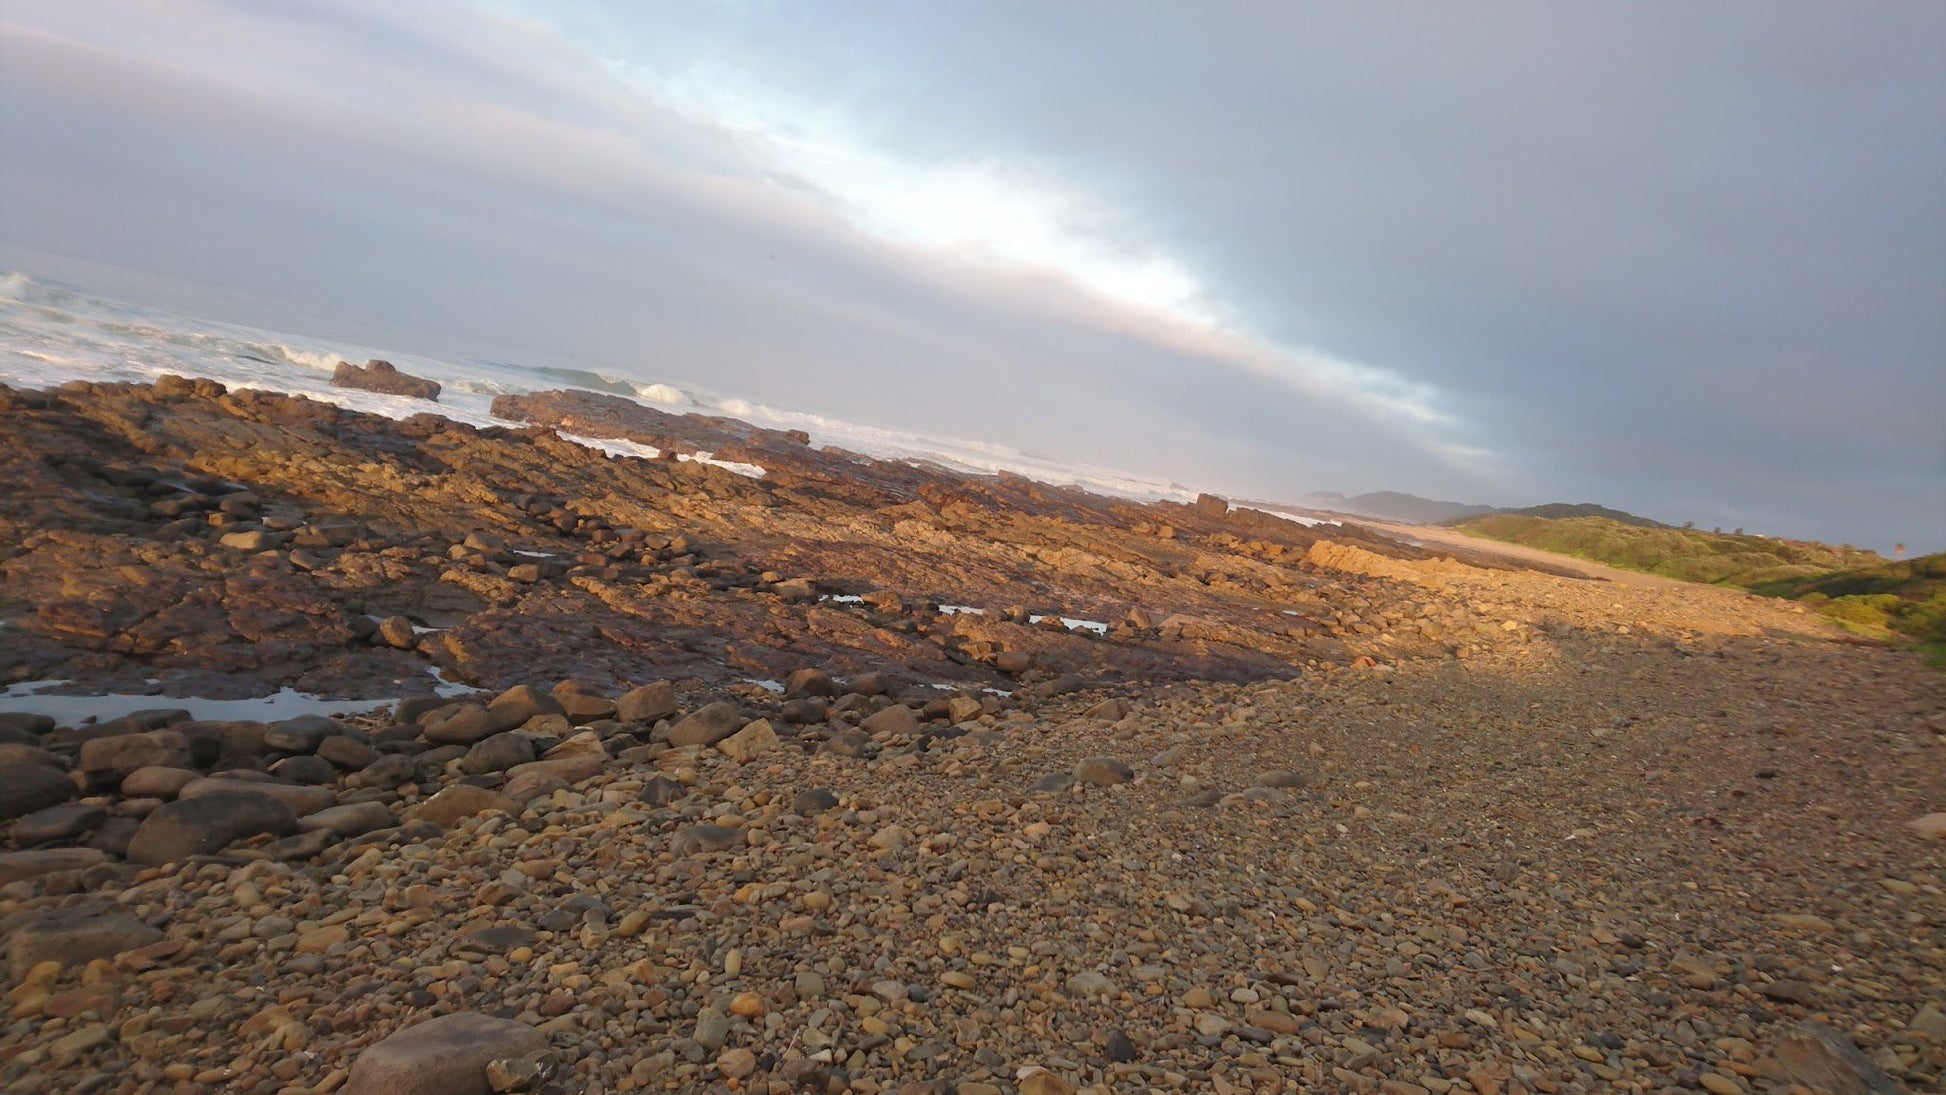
855,775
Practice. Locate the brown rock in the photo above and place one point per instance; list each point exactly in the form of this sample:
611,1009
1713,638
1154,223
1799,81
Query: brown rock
25,788
444,1056
647,704
207,824
460,800
707,725
382,376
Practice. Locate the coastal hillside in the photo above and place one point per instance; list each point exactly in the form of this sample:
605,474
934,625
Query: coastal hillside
1897,599
1690,555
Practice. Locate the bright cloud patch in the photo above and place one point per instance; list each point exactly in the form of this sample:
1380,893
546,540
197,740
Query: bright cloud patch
1011,216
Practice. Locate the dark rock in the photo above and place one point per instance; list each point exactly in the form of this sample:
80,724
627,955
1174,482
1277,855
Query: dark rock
468,723
300,735
208,824
498,753
661,791
305,769
387,772
812,801
346,752
121,754
25,788
847,743
809,682
1052,784
23,722
64,822
383,376
522,702
15,866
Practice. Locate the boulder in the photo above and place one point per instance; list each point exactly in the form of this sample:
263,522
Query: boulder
468,723
752,741
300,735
346,752
382,376
497,754
1818,1056
568,769
707,725
156,781
24,722
896,719
522,702
119,755
529,784
13,752
25,788
1103,772
208,823
15,866
64,822
444,1056
809,682
71,938
647,704
460,800
301,800
351,819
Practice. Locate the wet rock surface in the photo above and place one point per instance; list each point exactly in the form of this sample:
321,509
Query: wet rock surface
1445,830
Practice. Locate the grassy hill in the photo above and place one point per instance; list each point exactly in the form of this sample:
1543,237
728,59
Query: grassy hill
1889,599
1862,590
1691,555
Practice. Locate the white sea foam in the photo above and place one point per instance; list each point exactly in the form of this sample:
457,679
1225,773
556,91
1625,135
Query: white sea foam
51,334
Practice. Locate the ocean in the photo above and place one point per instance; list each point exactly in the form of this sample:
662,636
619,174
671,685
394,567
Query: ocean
52,333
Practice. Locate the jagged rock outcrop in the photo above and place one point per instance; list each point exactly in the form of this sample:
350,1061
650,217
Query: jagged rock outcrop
382,376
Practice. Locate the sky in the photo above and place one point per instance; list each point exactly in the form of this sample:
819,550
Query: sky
1688,260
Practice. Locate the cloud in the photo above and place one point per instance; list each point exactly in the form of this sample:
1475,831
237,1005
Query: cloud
1653,258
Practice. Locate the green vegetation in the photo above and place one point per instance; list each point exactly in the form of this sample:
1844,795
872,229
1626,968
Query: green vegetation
1864,592
1691,555
1889,599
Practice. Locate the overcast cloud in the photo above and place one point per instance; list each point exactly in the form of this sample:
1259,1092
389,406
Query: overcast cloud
1689,260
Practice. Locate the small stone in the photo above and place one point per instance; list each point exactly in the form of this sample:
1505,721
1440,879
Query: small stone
1103,772
706,838
737,1063
1285,780
813,801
